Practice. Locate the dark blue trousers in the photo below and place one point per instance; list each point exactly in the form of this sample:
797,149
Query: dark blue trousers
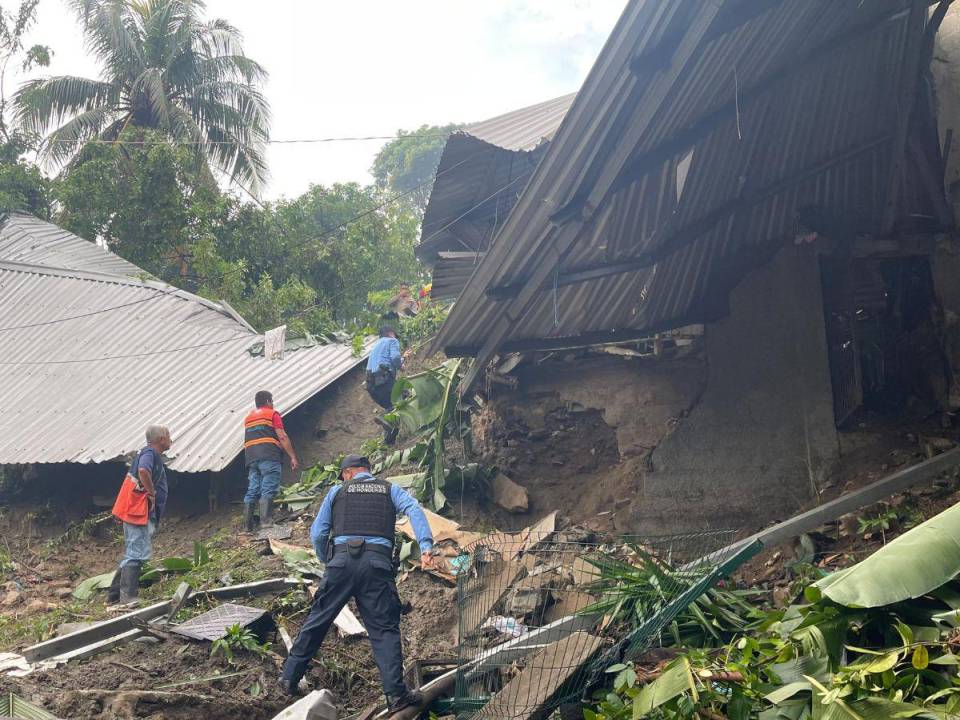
370,581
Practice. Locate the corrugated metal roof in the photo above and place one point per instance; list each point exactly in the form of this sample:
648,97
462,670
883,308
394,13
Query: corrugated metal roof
522,129
69,397
774,108
27,239
482,171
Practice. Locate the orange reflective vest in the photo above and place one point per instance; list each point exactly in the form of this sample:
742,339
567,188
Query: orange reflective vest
260,440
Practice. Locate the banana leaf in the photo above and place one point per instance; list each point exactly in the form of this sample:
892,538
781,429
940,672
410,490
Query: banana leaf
88,588
676,680
914,564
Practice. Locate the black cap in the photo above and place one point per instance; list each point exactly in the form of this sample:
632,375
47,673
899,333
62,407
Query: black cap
353,461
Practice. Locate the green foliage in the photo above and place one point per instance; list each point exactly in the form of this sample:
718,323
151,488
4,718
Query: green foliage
237,639
876,523
166,68
821,659
426,405
312,482
910,566
409,163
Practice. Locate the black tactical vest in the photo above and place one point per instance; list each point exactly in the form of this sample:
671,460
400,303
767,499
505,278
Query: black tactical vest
364,507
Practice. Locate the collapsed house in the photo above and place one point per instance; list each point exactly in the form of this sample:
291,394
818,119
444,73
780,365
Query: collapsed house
96,351
736,240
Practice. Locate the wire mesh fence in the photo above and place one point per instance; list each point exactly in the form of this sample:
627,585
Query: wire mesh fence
542,615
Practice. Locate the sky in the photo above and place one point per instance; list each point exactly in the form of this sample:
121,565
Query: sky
372,67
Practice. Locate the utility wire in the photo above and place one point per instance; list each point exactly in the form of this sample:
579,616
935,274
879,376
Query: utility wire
292,141
191,347
92,312
132,355
240,268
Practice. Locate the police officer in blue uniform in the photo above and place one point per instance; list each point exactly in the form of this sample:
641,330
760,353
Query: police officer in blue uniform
360,517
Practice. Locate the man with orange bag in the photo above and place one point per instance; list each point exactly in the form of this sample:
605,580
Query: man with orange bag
139,506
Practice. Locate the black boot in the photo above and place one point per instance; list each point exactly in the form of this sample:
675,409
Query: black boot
249,516
266,511
130,582
396,703
113,593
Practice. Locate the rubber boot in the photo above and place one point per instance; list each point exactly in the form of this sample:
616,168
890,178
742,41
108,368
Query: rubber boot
113,593
130,583
249,516
266,511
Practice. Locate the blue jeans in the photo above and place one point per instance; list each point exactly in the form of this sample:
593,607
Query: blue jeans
263,479
137,542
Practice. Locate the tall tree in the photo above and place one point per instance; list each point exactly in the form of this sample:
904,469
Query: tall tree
408,164
166,69
22,185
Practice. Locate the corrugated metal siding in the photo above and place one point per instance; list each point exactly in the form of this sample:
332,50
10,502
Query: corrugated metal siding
66,401
816,133
26,239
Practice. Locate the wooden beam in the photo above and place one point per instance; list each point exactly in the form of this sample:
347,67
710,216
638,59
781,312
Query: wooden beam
129,621
932,183
907,92
871,494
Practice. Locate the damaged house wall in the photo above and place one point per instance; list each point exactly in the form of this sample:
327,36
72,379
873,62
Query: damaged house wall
729,438
763,433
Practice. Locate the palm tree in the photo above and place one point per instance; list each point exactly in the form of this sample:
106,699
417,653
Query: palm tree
164,68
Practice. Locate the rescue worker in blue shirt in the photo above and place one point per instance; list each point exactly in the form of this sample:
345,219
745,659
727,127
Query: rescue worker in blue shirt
382,366
360,517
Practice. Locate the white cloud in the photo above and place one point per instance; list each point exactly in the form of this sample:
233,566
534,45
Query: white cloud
371,67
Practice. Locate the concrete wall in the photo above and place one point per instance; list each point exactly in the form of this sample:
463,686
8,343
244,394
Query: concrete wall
763,430
946,74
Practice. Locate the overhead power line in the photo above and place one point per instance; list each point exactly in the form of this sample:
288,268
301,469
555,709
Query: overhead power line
284,141
218,342
131,355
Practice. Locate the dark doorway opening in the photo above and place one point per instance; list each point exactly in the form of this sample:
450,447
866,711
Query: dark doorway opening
884,334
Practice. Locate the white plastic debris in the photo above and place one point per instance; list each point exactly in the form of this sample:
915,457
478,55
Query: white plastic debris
506,625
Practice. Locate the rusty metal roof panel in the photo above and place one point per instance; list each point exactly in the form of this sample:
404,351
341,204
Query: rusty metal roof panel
791,109
85,389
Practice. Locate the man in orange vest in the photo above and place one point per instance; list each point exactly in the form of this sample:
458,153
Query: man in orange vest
264,442
139,506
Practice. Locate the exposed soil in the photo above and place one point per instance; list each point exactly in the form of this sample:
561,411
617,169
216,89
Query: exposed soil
124,682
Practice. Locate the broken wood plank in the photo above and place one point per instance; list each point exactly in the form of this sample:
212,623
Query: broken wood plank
285,638
94,633
178,600
569,602
97,647
123,623
533,641
253,588
544,673
500,575
348,625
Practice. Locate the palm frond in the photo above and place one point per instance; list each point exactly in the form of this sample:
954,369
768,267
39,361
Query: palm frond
45,102
66,140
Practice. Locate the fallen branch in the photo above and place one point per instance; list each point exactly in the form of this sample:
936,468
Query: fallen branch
199,681
131,668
